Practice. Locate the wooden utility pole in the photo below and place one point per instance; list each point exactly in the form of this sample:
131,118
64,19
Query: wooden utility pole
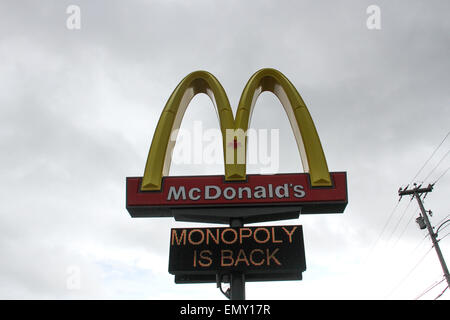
416,192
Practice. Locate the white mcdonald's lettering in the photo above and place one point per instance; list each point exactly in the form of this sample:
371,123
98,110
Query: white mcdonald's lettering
191,194
209,194
176,194
212,192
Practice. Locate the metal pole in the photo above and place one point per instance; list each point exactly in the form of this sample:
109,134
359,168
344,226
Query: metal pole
237,279
433,237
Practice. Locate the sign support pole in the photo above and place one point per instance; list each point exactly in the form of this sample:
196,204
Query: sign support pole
237,279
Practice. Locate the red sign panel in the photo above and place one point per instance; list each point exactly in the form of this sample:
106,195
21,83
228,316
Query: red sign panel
201,192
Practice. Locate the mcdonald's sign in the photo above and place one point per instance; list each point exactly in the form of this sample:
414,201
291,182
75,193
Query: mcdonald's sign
235,194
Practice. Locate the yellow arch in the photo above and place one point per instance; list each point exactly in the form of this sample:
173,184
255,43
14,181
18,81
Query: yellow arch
310,148
308,141
160,154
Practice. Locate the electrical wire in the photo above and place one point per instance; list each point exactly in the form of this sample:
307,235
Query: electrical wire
410,272
444,236
436,283
442,220
443,227
382,231
226,293
389,219
437,165
391,215
403,214
441,175
419,244
431,156
406,227
441,293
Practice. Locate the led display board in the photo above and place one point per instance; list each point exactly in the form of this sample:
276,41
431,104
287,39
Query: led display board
260,253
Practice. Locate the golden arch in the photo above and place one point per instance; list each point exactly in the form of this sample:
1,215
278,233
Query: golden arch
308,142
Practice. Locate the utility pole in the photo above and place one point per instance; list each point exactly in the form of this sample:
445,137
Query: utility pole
416,193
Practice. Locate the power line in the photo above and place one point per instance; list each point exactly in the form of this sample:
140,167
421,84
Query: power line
436,283
384,228
442,220
437,165
431,156
389,219
420,242
441,293
441,175
396,206
406,227
410,271
444,236
444,227
396,226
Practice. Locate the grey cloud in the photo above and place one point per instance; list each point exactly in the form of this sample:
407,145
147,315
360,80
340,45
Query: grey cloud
78,109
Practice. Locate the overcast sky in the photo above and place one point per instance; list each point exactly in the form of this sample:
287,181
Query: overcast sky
78,108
